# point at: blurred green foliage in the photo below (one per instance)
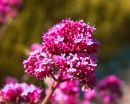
(111, 18)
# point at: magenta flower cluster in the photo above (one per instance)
(20, 93)
(68, 50)
(110, 89)
(67, 93)
(70, 37)
(90, 97)
(9, 9)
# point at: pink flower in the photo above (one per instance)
(67, 93)
(35, 46)
(70, 36)
(15, 3)
(9, 9)
(110, 89)
(39, 64)
(4, 9)
(91, 95)
(86, 102)
(69, 51)
(10, 80)
(78, 66)
(21, 92)
(10, 92)
(30, 93)
(15, 6)
(1, 98)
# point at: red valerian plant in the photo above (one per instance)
(108, 91)
(68, 51)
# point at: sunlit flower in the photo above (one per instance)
(70, 36)
(39, 64)
(69, 51)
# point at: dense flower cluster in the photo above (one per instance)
(67, 93)
(20, 93)
(38, 64)
(78, 66)
(110, 89)
(70, 37)
(68, 50)
(9, 9)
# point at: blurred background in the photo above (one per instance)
(110, 17)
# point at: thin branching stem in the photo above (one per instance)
(47, 98)
(54, 77)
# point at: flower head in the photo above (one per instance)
(4, 9)
(1, 98)
(30, 93)
(91, 95)
(78, 66)
(10, 80)
(67, 93)
(20, 92)
(68, 50)
(110, 89)
(70, 36)
(9, 9)
(15, 3)
(39, 64)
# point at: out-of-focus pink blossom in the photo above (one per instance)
(35, 46)
(30, 93)
(91, 95)
(10, 80)
(110, 89)
(15, 3)
(20, 92)
(10, 92)
(67, 93)
(4, 9)
(1, 98)
(86, 102)
(15, 6)
(9, 9)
